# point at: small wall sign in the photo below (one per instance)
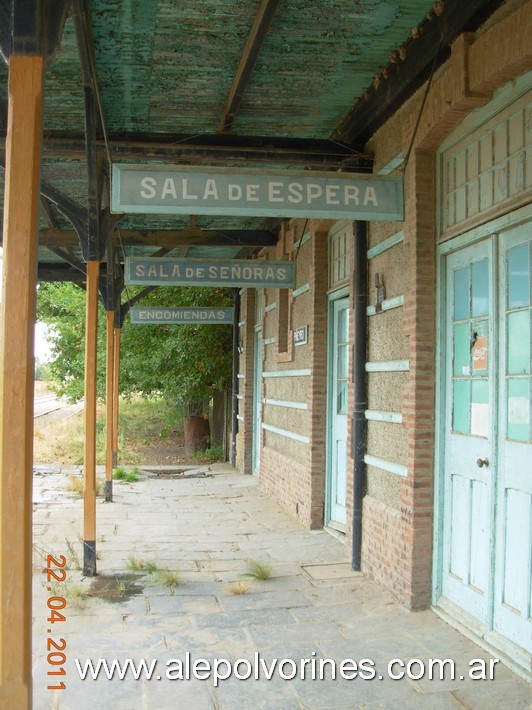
(301, 335)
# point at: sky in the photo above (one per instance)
(42, 348)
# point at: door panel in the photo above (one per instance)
(467, 485)
(337, 408)
(487, 528)
(513, 573)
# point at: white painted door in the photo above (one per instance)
(257, 400)
(513, 588)
(469, 443)
(337, 409)
(487, 544)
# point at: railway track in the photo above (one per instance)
(48, 404)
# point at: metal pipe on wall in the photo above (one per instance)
(360, 277)
(236, 363)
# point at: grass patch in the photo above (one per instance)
(211, 455)
(121, 474)
(76, 484)
(142, 421)
(239, 588)
(257, 570)
(169, 578)
(141, 566)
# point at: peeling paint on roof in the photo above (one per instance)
(167, 67)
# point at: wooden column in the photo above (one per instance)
(21, 207)
(116, 393)
(109, 405)
(89, 496)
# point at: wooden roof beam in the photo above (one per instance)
(257, 35)
(217, 149)
(168, 238)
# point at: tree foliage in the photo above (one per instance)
(180, 362)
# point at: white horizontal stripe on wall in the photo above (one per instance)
(286, 434)
(389, 466)
(286, 403)
(385, 245)
(392, 165)
(241, 323)
(301, 241)
(240, 418)
(388, 366)
(241, 377)
(379, 416)
(270, 307)
(301, 290)
(269, 341)
(387, 305)
(288, 373)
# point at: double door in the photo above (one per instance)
(486, 443)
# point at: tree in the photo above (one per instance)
(182, 363)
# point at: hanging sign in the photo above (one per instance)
(160, 189)
(209, 272)
(157, 316)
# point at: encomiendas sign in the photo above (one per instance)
(155, 315)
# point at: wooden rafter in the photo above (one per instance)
(406, 75)
(257, 35)
(319, 154)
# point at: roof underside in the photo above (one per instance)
(166, 71)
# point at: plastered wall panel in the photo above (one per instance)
(286, 388)
(385, 390)
(290, 449)
(388, 441)
(386, 339)
(383, 486)
(292, 420)
(392, 267)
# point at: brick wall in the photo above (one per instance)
(397, 530)
(398, 542)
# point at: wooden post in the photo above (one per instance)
(109, 405)
(116, 392)
(89, 496)
(21, 208)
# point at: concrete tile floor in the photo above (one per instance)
(313, 607)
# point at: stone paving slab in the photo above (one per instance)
(312, 607)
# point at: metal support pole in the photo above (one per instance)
(116, 393)
(109, 405)
(89, 496)
(236, 361)
(360, 268)
(21, 209)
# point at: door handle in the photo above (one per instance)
(482, 462)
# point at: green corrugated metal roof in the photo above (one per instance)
(166, 67)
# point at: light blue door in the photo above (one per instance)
(468, 498)
(487, 513)
(337, 391)
(513, 588)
